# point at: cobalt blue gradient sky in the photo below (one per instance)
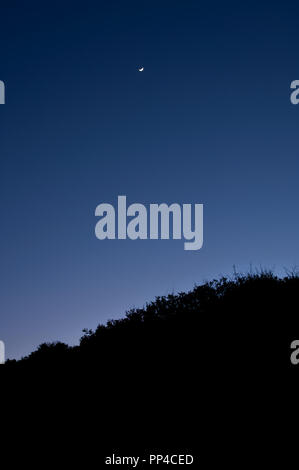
(208, 121)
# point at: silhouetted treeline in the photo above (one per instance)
(201, 371)
(241, 312)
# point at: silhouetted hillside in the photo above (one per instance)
(243, 314)
(175, 372)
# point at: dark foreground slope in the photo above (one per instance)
(207, 371)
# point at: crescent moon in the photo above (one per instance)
(141, 69)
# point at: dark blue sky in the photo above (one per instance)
(208, 121)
